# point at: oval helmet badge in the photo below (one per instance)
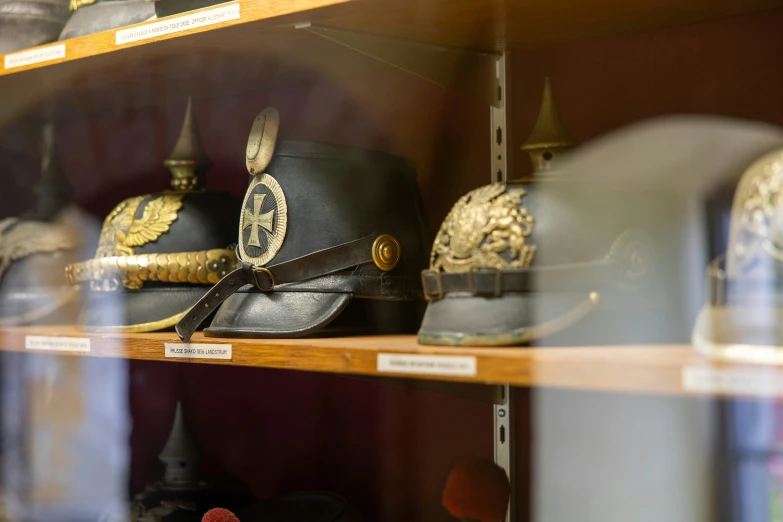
(263, 222)
(261, 142)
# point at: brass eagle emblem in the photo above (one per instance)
(122, 231)
(486, 228)
(19, 239)
(156, 220)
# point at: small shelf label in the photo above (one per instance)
(457, 365)
(178, 24)
(57, 344)
(734, 381)
(42, 54)
(198, 351)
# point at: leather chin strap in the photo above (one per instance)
(316, 264)
(489, 282)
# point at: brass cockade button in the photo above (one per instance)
(386, 252)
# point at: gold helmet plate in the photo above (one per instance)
(486, 228)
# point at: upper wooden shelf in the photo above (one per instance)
(248, 52)
(675, 370)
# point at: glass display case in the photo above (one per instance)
(374, 260)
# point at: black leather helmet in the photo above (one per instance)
(172, 7)
(157, 251)
(321, 224)
(93, 16)
(27, 23)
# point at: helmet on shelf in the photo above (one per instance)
(156, 252)
(35, 248)
(553, 258)
(182, 494)
(321, 224)
(27, 23)
(742, 317)
(172, 7)
(94, 16)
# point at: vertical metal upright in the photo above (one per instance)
(481, 76)
(504, 443)
(497, 120)
(499, 161)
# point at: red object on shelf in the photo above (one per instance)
(219, 515)
(477, 489)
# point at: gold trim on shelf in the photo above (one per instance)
(107, 273)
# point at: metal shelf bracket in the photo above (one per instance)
(504, 443)
(505, 438)
(497, 120)
(468, 72)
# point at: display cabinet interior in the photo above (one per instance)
(387, 441)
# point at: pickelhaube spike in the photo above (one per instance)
(180, 455)
(549, 136)
(188, 161)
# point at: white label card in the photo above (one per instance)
(198, 351)
(180, 23)
(43, 54)
(740, 381)
(463, 366)
(57, 344)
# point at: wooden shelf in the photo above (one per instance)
(247, 53)
(669, 369)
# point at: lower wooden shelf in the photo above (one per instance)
(662, 369)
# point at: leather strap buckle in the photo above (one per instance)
(439, 285)
(263, 279)
(478, 290)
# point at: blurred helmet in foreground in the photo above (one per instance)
(35, 248)
(94, 16)
(32, 256)
(743, 316)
